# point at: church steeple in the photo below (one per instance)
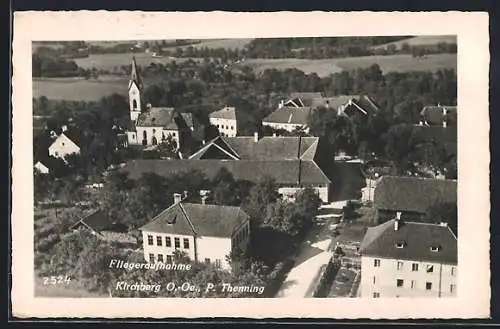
(134, 92)
(134, 75)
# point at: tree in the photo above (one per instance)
(224, 191)
(443, 212)
(307, 203)
(400, 145)
(261, 194)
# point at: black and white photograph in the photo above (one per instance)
(291, 167)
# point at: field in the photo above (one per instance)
(422, 40)
(79, 88)
(221, 43)
(110, 61)
(325, 67)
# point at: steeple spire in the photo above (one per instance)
(134, 75)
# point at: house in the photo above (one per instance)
(151, 125)
(41, 168)
(290, 161)
(100, 224)
(65, 144)
(401, 258)
(206, 233)
(225, 120)
(294, 113)
(442, 116)
(412, 196)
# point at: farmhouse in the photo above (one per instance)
(206, 233)
(41, 168)
(225, 120)
(442, 116)
(290, 161)
(66, 143)
(151, 125)
(100, 224)
(294, 113)
(411, 196)
(408, 259)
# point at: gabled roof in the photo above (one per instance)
(96, 221)
(225, 113)
(75, 135)
(412, 193)
(198, 219)
(417, 240)
(289, 115)
(266, 148)
(286, 172)
(435, 115)
(165, 117)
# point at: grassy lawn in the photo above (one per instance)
(220, 43)
(325, 67)
(79, 89)
(343, 283)
(109, 61)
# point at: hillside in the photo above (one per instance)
(421, 40)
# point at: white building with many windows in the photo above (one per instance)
(225, 120)
(408, 259)
(205, 233)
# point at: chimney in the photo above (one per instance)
(274, 134)
(255, 137)
(64, 128)
(177, 197)
(281, 104)
(444, 123)
(185, 194)
(204, 199)
(327, 103)
(443, 224)
(421, 123)
(397, 221)
(203, 142)
(149, 106)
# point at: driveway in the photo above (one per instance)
(313, 254)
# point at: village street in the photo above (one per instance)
(313, 253)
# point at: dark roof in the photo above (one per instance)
(283, 171)
(134, 75)
(412, 193)
(202, 220)
(417, 240)
(266, 148)
(76, 136)
(437, 134)
(165, 117)
(288, 114)
(435, 115)
(225, 113)
(97, 221)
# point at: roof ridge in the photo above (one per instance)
(156, 217)
(187, 217)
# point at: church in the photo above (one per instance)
(149, 125)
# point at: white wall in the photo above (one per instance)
(134, 94)
(155, 132)
(285, 126)
(289, 192)
(63, 146)
(227, 127)
(387, 274)
(41, 168)
(214, 249)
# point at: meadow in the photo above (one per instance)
(421, 40)
(325, 67)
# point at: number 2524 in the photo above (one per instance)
(53, 280)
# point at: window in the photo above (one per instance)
(428, 286)
(150, 240)
(414, 267)
(232, 127)
(207, 260)
(399, 283)
(400, 245)
(173, 134)
(177, 242)
(376, 295)
(160, 258)
(186, 243)
(134, 104)
(452, 288)
(435, 248)
(62, 143)
(218, 126)
(413, 284)
(374, 280)
(169, 259)
(152, 258)
(430, 268)
(158, 241)
(400, 266)
(168, 242)
(453, 271)
(376, 263)
(217, 262)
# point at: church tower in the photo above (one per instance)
(134, 92)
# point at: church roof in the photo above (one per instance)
(165, 117)
(134, 75)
